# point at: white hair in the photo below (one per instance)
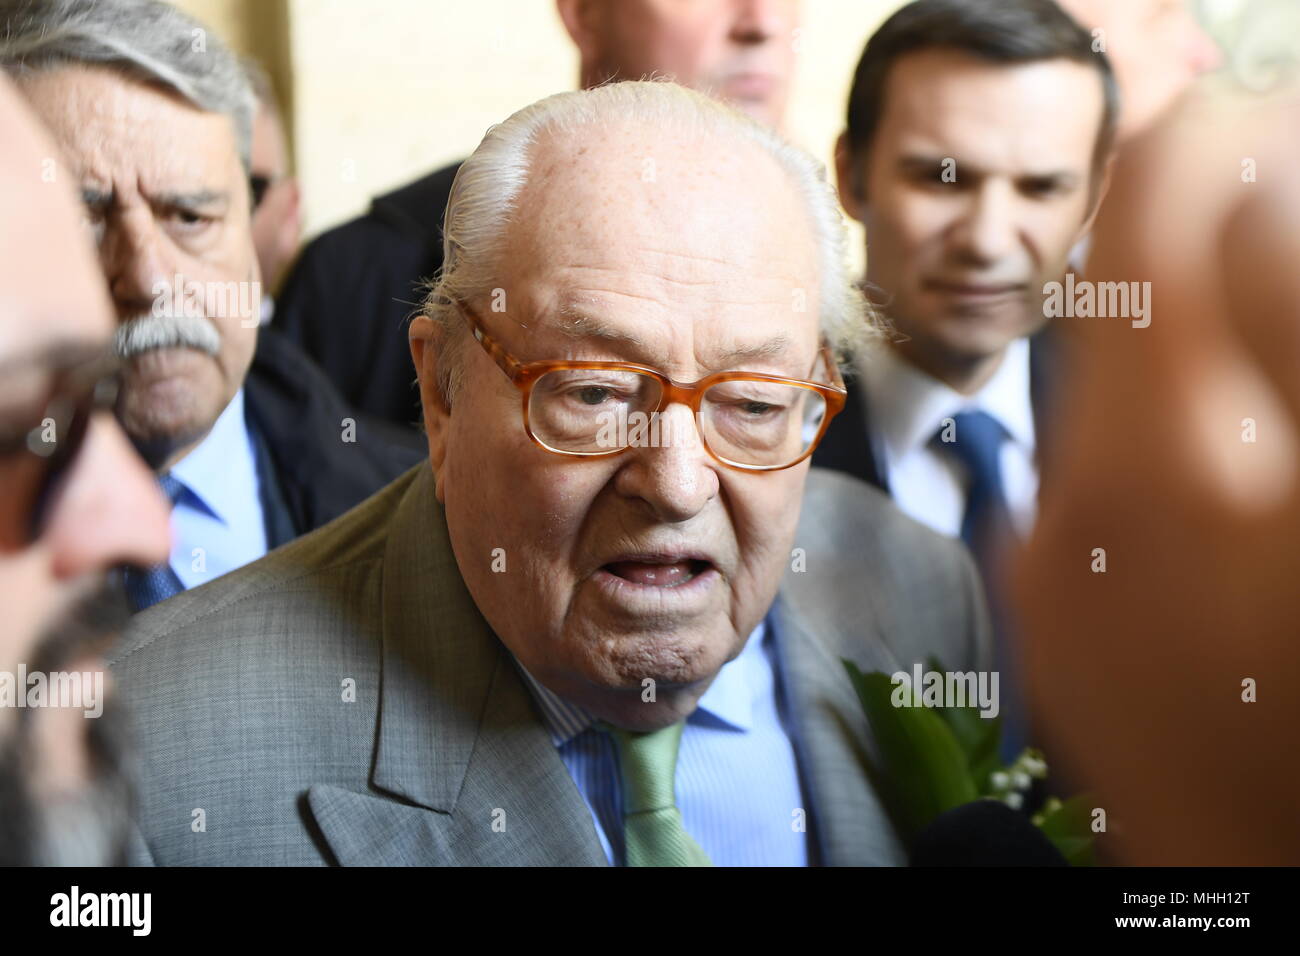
(485, 195)
(151, 40)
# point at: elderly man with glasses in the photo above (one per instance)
(604, 623)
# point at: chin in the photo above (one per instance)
(155, 440)
(673, 659)
(974, 340)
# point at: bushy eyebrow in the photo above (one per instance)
(195, 201)
(574, 323)
(96, 198)
(190, 202)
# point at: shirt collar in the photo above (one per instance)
(729, 699)
(220, 471)
(908, 406)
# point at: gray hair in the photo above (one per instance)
(486, 191)
(151, 40)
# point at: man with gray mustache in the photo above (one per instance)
(250, 442)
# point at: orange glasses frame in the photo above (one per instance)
(525, 375)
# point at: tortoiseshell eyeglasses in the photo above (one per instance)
(746, 420)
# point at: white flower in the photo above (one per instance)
(1020, 780)
(999, 780)
(1014, 800)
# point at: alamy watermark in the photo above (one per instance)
(187, 298)
(624, 429)
(82, 690)
(947, 689)
(1085, 300)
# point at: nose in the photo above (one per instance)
(671, 473)
(134, 261)
(110, 510)
(758, 21)
(986, 230)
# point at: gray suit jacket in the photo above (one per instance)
(250, 754)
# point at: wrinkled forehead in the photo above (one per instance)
(111, 124)
(44, 297)
(686, 241)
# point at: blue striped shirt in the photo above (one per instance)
(738, 783)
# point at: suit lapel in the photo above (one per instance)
(459, 742)
(1044, 385)
(832, 733)
(466, 774)
(277, 517)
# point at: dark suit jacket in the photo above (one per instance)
(347, 301)
(238, 692)
(308, 473)
(850, 443)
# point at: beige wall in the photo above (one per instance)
(385, 91)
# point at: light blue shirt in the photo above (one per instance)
(738, 784)
(217, 523)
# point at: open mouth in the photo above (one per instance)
(656, 572)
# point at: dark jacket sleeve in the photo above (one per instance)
(348, 300)
(346, 304)
(326, 457)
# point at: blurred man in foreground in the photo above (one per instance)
(1159, 589)
(75, 501)
(349, 298)
(1156, 47)
(610, 613)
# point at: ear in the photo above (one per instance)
(427, 340)
(582, 21)
(1098, 197)
(847, 174)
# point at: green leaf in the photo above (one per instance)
(1069, 827)
(978, 736)
(922, 759)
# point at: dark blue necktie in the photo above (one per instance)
(146, 587)
(986, 529)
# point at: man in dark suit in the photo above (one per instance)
(974, 184)
(348, 299)
(552, 643)
(251, 443)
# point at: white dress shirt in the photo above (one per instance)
(907, 407)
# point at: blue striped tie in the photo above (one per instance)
(145, 588)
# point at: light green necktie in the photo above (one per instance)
(653, 834)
